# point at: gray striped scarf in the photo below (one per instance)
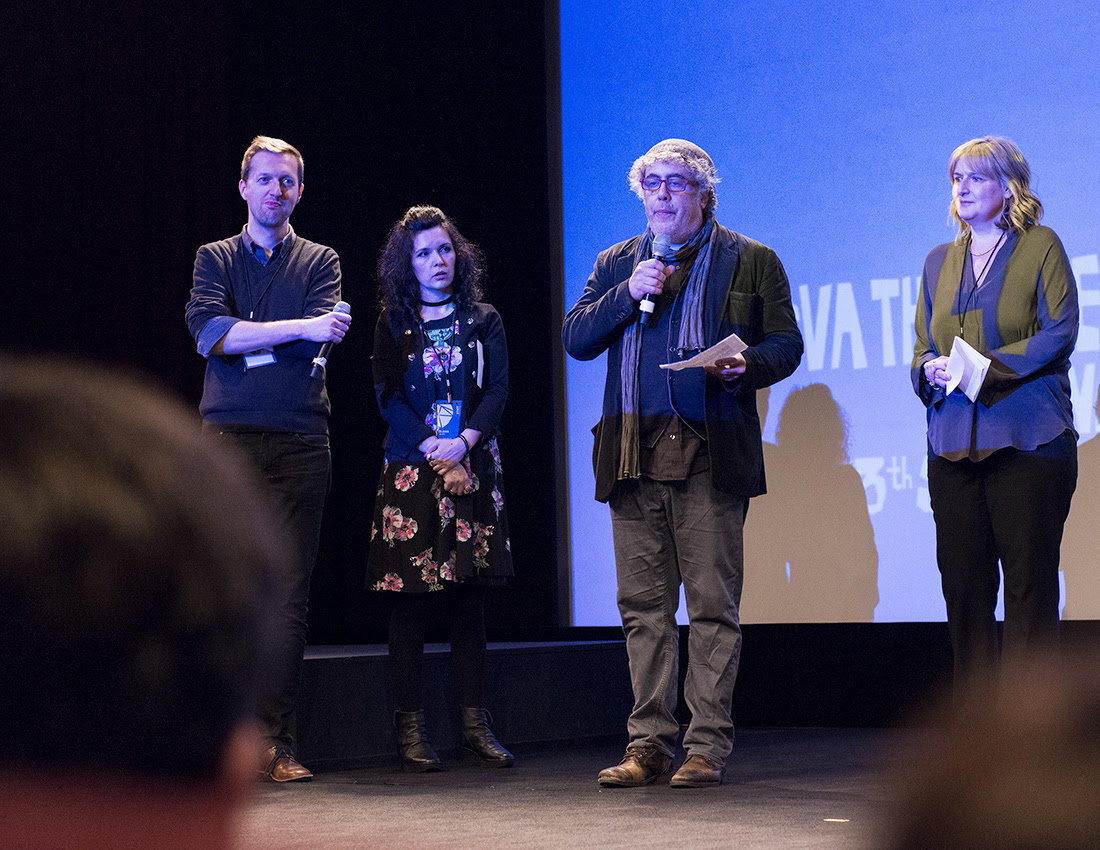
(692, 335)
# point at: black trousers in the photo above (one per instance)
(297, 469)
(1010, 507)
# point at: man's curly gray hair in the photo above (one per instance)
(693, 156)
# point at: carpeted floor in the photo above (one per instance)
(785, 788)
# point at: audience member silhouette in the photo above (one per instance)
(137, 567)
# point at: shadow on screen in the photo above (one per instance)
(1079, 538)
(810, 552)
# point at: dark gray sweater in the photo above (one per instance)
(231, 285)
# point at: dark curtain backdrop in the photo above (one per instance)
(127, 122)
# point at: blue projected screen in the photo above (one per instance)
(831, 126)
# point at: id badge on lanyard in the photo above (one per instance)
(264, 357)
(447, 415)
(448, 418)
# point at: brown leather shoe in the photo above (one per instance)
(281, 767)
(699, 772)
(640, 766)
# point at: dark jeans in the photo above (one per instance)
(298, 469)
(1009, 507)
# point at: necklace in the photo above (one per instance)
(987, 250)
(977, 282)
(985, 265)
(446, 300)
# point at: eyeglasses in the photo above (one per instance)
(679, 185)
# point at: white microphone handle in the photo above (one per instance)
(321, 360)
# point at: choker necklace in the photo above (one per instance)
(446, 300)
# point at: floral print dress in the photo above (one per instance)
(422, 536)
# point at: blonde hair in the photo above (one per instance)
(999, 159)
(271, 145)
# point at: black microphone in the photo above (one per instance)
(321, 360)
(660, 251)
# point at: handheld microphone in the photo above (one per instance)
(321, 360)
(660, 251)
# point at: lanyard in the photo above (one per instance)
(439, 355)
(977, 280)
(253, 301)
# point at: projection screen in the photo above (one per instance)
(831, 126)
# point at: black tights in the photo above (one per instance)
(409, 617)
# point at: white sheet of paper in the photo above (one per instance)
(731, 346)
(967, 367)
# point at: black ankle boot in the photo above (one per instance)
(417, 755)
(479, 740)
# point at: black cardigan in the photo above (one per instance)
(403, 392)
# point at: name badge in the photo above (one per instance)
(448, 418)
(259, 358)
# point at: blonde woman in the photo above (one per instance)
(1003, 467)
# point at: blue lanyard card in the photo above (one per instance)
(448, 418)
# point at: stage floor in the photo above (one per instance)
(785, 788)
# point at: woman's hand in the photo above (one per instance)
(935, 372)
(456, 481)
(443, 448)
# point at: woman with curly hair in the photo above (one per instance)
(1002, 461)
(441, 378)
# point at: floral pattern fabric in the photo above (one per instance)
(423, 536)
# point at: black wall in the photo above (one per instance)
(126, 123)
